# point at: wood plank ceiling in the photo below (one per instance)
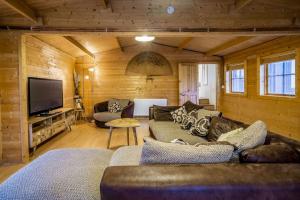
(91, 44)
(151, 14)
(242, 16)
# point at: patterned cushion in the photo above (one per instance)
(189, 120)
(179, 114)
(249, 138)
(200, 128)
(115, 107)
(123, 102)
(156, 152)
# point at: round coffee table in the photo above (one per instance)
(123, 123)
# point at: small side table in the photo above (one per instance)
(123, 123)
(79, 114)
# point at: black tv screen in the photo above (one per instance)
(44, 95)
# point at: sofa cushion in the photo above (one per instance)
(59, 174)
(115, 107)
(163, 113)
(189, 120)
(156, 152)
(106, 116)
(126, 156)
(123, 102)
(251, 137)
(220, 125)
(273, 153)
(179, 114)
(200, 127)
(189, 106)
(207, 113)
(224, 136)
(168, 131)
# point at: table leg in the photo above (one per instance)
(135, 136)
(128, 136)
(110, 133)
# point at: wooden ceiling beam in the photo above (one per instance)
(22, 8)
(228, 45)
(239, 4)
(184, 43)
(79, 46)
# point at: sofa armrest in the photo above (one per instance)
(101, 107)
(151, 113)
(127, 111)
(203, 181)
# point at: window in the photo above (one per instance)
(235, 78)
(278, 78)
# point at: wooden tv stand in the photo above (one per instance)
(43, 128)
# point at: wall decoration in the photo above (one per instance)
(149, 63)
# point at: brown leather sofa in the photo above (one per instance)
(205, 181)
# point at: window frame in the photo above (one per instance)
(228, 68)
(266, 80)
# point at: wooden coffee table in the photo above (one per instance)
(123, 123)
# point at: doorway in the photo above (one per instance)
(207, 85)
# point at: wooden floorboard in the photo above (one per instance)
(83, 135)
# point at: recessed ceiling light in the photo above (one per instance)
(170, 10)
(144, 38)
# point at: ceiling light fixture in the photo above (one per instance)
(144, 38)
(170, 9)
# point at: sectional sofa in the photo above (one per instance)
(108, 175)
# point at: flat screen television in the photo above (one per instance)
(44, 95)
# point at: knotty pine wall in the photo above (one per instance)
(10, 95)
(45, 61)
(282, 115)
(21, 57)
(109, 79)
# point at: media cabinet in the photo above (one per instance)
(42, 128)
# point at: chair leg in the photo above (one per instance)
(128, 136)
(110, 133)
(135, 136)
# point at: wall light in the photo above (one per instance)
(144, 38)
(91, 69)
(86, 77)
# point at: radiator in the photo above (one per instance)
(141, 106)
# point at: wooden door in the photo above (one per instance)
(188, 82)
(0, 135)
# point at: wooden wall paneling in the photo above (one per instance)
(110, 79)
(23, 98)
(0, 133)
(45, 61)
(9, 92)
(281, 114)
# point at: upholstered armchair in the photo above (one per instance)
(102, 115)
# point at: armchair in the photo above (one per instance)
(101, 114)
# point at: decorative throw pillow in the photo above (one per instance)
(273, 153)
(224, 136)
(122, 102)
(156, 152)
(251, 137)
(179, 114)
(189, 120)
(200, 127)
(163, 113)
(115, 107)
(189, 106)
(220, 125)
(210, 113)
